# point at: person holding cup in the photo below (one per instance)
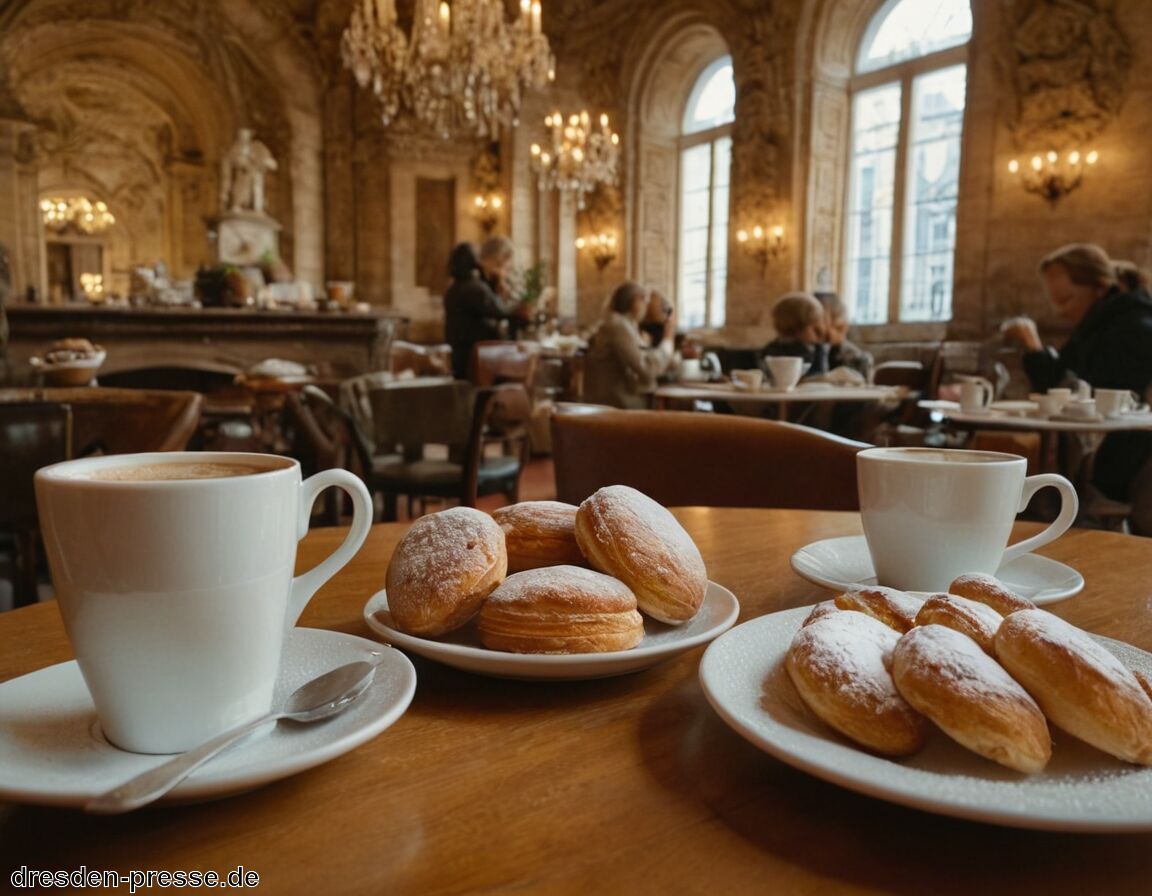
(620, 368)
(1108, 306)
(800, 324)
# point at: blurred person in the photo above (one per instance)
(841, 351)
(620, 367)
(475, 302)
(799, 320)
(1108, 306)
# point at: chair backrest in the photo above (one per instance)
(683, 458)
(496, 361)
(422, 360)
(324, 431)
(912, 374)
(32, 435)
(414, 413)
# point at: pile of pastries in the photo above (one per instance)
(981, 663)
(548, 577)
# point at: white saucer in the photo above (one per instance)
(840, 563)
(1014, 407)
(462, 650)
(1082, 789)
(52, 751)
(941, 405)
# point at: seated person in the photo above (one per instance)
(620, 368)
(799, 321)
(842, 352)
(1110, 346)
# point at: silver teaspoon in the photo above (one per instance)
(317, 699)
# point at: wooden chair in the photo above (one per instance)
(496, 361)
(32, 435)
(683, 458)
(415, 415)
(422, 360)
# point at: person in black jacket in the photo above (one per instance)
(474, 304)
(1110, 347)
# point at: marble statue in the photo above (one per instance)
(242, 177)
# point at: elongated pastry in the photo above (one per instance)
(839, 665)
(950, 679)
(626, 534)
(896, 609)
(443, 569)
(1078, 683)
(560, 609)
(976, 620)
(539, 533)
(986, 589)
(820, 610)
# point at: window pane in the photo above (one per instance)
(713, 99)
(721, 164)
(931, 191)
(695, 175)
(909, 28)
(875, 130)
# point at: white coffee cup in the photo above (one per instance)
(690, 369)
(932, 514)
(749, 379)
(1081, 409)
(975, 394)
(1062, 394)
(786, 371)
(1115, 402)
(177, 593)
(1047, 405)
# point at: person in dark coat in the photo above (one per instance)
(473, 303)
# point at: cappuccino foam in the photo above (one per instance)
(174, 471)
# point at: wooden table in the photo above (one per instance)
(779, 399)
(624, 785)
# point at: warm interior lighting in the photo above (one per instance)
(78, 212)
(762, 243)
(463, 69)
(486, 209)
(1051, 175)
(579, 157)
(601, 246)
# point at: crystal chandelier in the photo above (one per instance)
(463, 70)
(79, 212)
(579, 158)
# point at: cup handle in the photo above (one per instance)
(1069, 505)
(307, 584)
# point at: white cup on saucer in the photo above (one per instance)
(1116, 402)
(690, 370)
(1047, 405)
(932, 514)
(1081, 409)
(751, 380)
(1060, 394)
(174, 574)
(785, 370)
(975, 394)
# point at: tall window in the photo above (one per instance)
(907, 115)
(705, 160)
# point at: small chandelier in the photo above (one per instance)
(463, 70)
(601, 246)
(61, 212)
(762, 243)
(579, 158)
(1051, 176)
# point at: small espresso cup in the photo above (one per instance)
(174, 575)
(1114, 402)
(975, 394)
(749, 379)
(786, 371)
(933, 514)
(1047, 405)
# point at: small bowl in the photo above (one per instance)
(79, 372)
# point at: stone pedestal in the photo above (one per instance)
(244, 237)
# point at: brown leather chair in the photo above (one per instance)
(683, 458)
(32, 435)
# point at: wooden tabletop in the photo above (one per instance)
(621, 785)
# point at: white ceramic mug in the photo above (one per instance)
(975, 394)
(786, 371)
(689, 369)
(1114, 402)
(1047, 405)
(1081, 409)
(176, 587)
(932, 514)
(749, 379)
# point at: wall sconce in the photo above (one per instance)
(602, 247)
(762, 243)
(1052, 176)
(486, 210)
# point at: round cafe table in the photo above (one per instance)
(675, 395)
(631, 784)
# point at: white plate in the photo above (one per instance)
(1014, 407)
(52, 751)
(462, 649)
(840, 563)
(939, 405)
(1082, 789)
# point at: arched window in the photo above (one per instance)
(907, 114)
(705, 160)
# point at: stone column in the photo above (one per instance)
(20, 225)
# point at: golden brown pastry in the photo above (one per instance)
(560, 609)
(976, 620)
(950, 679)
(443, 569)
(626, 534)
(986, 589)
(1078, 683)
(896, 609)
(839, 665)
(820, 610)
(539, 533)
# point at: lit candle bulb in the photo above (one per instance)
(497, 202)
(1074, 158)
(1052, 157)
(604, 120)
(536, 16)
(778, 233)
(1092, 157)
(445, 18)
(741, 236)
(1013, 167)
(1037, 163)
(580, 242)
(757, 232)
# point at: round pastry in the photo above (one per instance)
(443, 569)
(539, 533)
(976, 620)
(626, 534)
(1078, 683)
(839, 665)
(820, 610)
(986, 589)
(896, 609)
(949, 678)
(560, 609)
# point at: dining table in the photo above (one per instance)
(632, 783)
(780, 401)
